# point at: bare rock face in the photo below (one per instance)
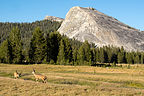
(52, 18)
(94, 26)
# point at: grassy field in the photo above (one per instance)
(72, 80)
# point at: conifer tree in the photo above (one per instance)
(93, 55)
(61, 59)
(129, 58)
(102, 55)
(48, 48)
(16, 45)
(75, 56)
(97, 55)
(32, 51)
(121, 56)
(81, 55)
(142, 58)
(54, 41)
(110, 55)
(65, 51)
(0, 39)
(87, 51)
(37, 47)
(6, 53)
(84, 53)
(68, 50)
(136, 59)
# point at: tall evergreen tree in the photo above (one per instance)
(75, 53)
(102, 55)
(68, 50)
(65, 51)
(54, 41)
(121, 56)
(87, 52)
(32, 51)
(93, 55)
(61, 58)
(142, 58)
(16, 45)
(110, 55)
(136, 59)
(0, 39)
(81, 55)
(37, 47)
(6, 53)
(97, 55)
(129, 58)
(84, 53)
(48, 48)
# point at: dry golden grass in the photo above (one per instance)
(72, 80)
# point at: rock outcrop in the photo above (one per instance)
(52, 18)
(94, 26)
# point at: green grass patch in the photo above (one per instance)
(134, 84)
(74, 82)
(4, 74)
(63, 81)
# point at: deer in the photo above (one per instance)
(39, 77)
(16, 74)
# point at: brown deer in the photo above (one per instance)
(17, 75)
(39, 77)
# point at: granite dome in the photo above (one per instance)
(94, 26)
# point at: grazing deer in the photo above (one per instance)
(39, 77)
(17, 75)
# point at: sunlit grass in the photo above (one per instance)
(72, 80)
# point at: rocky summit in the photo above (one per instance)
(96, 27)
(53, 18)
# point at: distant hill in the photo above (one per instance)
(53, 18)
(94, 26)
(27, 28)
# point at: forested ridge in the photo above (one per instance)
(26, 29)
(39, 42)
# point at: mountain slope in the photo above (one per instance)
(94, 26)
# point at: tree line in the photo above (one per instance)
(52, 48)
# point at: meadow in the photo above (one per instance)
(63, 80)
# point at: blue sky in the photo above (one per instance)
(130, 12)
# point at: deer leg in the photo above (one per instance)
(36, 80)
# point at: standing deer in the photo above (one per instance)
(39, 77)
(17, 75)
